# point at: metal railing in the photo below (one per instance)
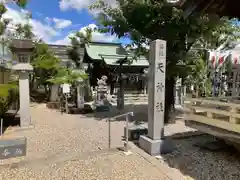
(126, 115)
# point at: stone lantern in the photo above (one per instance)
(21, 51)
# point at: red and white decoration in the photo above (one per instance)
(212, 59)
(217, 59)
(235, 58)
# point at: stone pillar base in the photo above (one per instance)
(156, 147)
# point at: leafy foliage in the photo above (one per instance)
(145, 21)
(196, 60)
(155, 20)
(45, 64)
(67, 76)
(5, 88)
(3, 23)
(21, 3)
(24, 31)
(79, 41)
(8, 95)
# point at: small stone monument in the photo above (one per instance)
(102, 103)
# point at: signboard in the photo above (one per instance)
(11, 148)
(66, 88)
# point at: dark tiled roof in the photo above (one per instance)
(22, 44)
(220, 7)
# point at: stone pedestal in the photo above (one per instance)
(155, 143)
(156, 147)
(25, 115)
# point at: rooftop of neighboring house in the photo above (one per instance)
(60, 51)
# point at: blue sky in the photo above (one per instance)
(55, 20)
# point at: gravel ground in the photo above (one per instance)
(203, 164)
(103, 167)
(57, 136)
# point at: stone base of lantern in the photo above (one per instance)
(156, 147)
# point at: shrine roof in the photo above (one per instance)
(111, 53)
(95, 50)
(139, 62)
(228, 8)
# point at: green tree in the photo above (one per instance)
(144, 21)
(197, 72)
(45, 66)
(79, 40)
(67, 76)
(24, 31)
(221, 37)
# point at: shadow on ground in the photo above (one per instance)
(38, 97)
(9, 120)
(140, 113)
(202, 157)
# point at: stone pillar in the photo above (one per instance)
(54, 93)
(145, 86)
(25, 115)
(80, 96)
(234, 83)
(120, 92)
(154, 143)
(183, 94)
(178, 92)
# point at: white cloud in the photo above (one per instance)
(81, 4)
(62, 23)
(96, 36)
(48, 30)
(58, 23)
(43, 31)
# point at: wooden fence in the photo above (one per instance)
(213, 113)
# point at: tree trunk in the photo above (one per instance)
(169, 98)
(197, 91)
(47, 91)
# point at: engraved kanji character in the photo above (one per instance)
(160, 67)
(18, 152)
(159, 87)
(6, 152)
(161, 47)
(159, 107)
